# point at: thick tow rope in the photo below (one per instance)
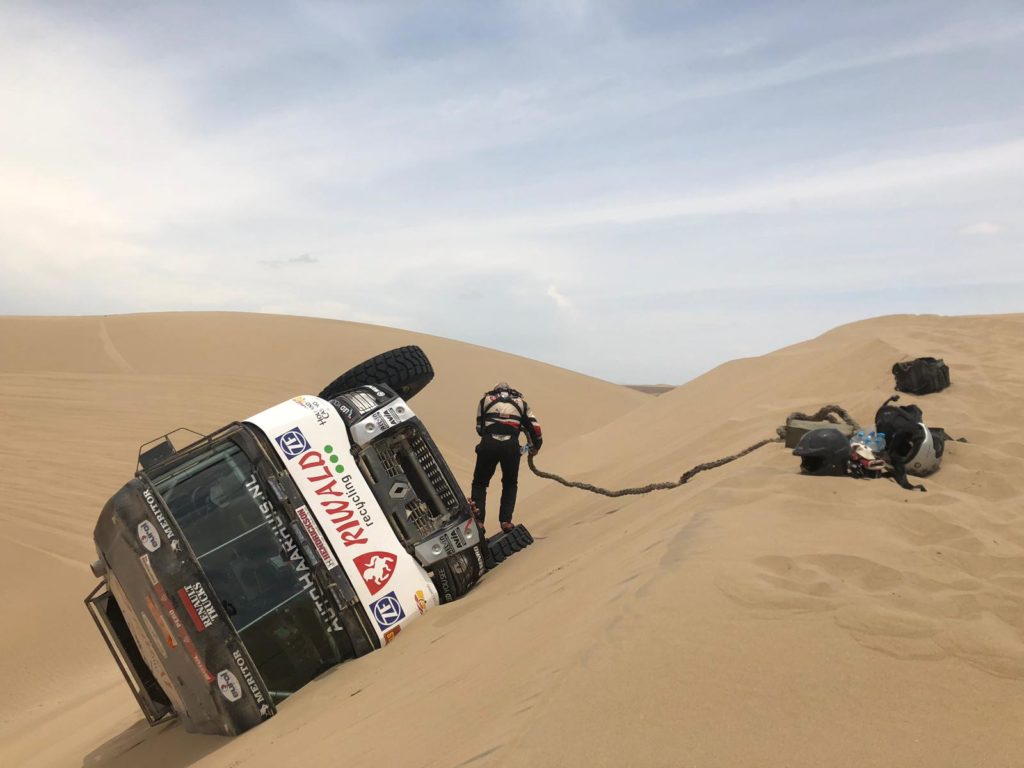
(651, 486)
(827, 412)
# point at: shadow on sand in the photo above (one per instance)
(162, 745)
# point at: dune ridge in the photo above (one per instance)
(752, 617)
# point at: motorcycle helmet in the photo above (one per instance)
(916, 450)
(824, 451)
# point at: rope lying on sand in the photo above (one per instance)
(827, 412)
(652, 486)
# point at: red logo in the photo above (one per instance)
(376, 569)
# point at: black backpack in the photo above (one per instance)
(902, 426)
(921, 376)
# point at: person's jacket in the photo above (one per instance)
(503, 414)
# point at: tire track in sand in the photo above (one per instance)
(111, 349)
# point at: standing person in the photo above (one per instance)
(501, 415)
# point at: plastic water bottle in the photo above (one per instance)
(524, 449)
(880, 441)
(871, 440)
(859, 437)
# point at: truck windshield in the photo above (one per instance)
(260, 576)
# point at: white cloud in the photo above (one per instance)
(982, 228)
(560, 301)
(866, 184)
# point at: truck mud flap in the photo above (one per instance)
(506, 544)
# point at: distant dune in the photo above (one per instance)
(753, 617)
(652, 389)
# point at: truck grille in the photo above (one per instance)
(434, 474)
(419, 515)
(389, 460)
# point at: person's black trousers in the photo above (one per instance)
(489, 454)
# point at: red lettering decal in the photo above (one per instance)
(311, 459)
(190, 609)
(351, 539)
(339, 527)
(325, 490)
(326, 475)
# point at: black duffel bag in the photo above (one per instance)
(921, 376)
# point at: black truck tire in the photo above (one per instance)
(505, 544)
(458, 574)
(406, 370)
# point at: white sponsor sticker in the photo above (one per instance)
(148, 536)
(148, 568)
(228, 684)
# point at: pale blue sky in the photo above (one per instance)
(638, 191)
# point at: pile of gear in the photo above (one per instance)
(828, 442)
(901, 444)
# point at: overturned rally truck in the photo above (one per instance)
(238, 568)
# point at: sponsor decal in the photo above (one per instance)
(250, 680)
(421, 601)
(165, 601)
(198, 605)
(154, 638)
(452, 541)
(441, 574)
(148, 536)
(345, 408)
(148, 568)
(314, 535)
(391, 634)
(336, 465)
(293, 443)
(385, 419)
(341, 504)
(321, 414)
(165, 631)
(293, 554)
(376, 569)
(387, 611)
(448, 548)
(228, 684)
(158, 513)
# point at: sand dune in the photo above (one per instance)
(753, 617)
